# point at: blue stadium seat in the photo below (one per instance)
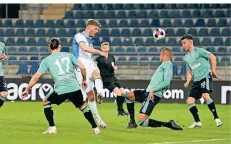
(142, 14)
(180, 32)
(174, 14)
(60, 23)
(203, 32)
(104, 33)
(62, 33)
(119, 49)
(161, 42)
(30, 33)
(103, 23)
(206, 6)
(144, 61)
(160, 6)
(164, 14)
(70, 24)
(196, 41)
(34, 67)
(96, 41)
(79, 15)
(2, 40)
(126, 32)
(186, 14)
(175, 70)
(155, 59)
(150, 6)
(8, 23)
(115, 33)
(1, 23)
(218, 42)
(80, 23)
(109, 6)
(118, 6)
(42, 42)
(10, 42)
(2, 33)
(22, 50)
(149, 42)
(127, 42)
(41, 33)
(208, 14)
(31, 42)
(139, 42)
(222, 49)
(121, 14)
(50, 23)
(176, 49)
(71, 32)
(98, 6)
(140, 6)
(225, 32)
(129, 6)
(77, 6)
(29, 24)
(155, 23)
(88, 14)
(20, 33)
(116, 42)
(152, 49)
(196, 13)
(23, 68)
(39, 24)
(215, 6)
(225, 59)
(222, 23)
(211, 49)
(228, 13)
(43, 49)
(132, 60)
(211, 23)
(12, 50)
(147, 32)
(206, 42)
(220, 13)
(51, 32)
(34, 58)
(142, 50)
(33, 49)
(188, 23)
(12, 60)
(172, 6)
(106, 39)
(131, 50)
(134, 23)
(88, 6)
(183, 70)
(121, 60)
(172, 42)
(153, 14)
(132, 14)
(136, 32)
(69, 15)
(200, 23)
(9, 32)
(177, 23)
(65, 49)
(23, 58)
(225, 6)
(144, 23)
(215, 32)
(170, 32)
(21, 42)
(112, 23)
(181, 6)
(123, 23)
(110, 15)
(64, 41)
(192, 31)
(19, 23)
(167, 23)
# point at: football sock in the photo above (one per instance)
(49, 114)
(2, 100)
(93, 107)
(99, 85)
(119, 102)
(88, 115)
(131, 110)
(152, 123)
(212, 107)
(194, 111)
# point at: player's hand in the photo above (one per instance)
(84, 85)
(115, 68)
(25, 93)
(186, 84)
(104, 54)
(151, 96)
(3, 56)
(214, 74)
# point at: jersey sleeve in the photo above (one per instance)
(80, 38)
(168, 73)
(43, 68)
(203, 53)
(73, 60)
(3, 48)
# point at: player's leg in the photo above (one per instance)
(3, 91)
(77, 99)
(98, 81)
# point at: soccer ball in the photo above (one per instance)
(158, 34)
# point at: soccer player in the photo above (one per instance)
(150, 97)
(198, 65)
(61, 65)
(107, 67)
(82, 48)
(3, 85)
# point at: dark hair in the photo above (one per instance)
(187, 36)
(54, 43)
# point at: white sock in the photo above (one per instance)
(99, 85)
(93, 107)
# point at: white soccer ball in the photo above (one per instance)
(159, 34)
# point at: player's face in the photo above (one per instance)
(161, 56)
(93, 30)
(186, 44)
(105, 48)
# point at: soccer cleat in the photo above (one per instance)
(96, 131)
(132, 125)
(101, 123)
(172, 125)
(50, 130)
(196, 125)
(218, 122)
(120, 113)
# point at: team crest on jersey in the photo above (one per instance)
(203, 84)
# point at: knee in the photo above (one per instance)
(206, 96)
(143, 123)
(96, 74)
(45, 101)
(82, 107)
(4, 94)
(90, 97)
(190, 100)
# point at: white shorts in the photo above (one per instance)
(90, 68)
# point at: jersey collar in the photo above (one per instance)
(86, 34)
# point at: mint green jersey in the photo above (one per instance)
(2, 51)
(61, 66)
(198, 62)
(161, 79)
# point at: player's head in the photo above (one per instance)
(105, 47)
(165, 54)
(92, 27)
(54, 44)
(187, 42)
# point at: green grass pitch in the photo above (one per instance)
(24, 122)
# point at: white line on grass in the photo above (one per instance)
(193, 141)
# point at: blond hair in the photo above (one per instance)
(167, 51)
(93, 22)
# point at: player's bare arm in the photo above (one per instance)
(188, 77)
(213, 65)
(92, 50)
(84, 74)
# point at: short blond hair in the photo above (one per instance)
(93, 22)
(105, 43)
(167, 51)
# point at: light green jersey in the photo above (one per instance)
(2, 51)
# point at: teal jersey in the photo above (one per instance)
(61, 66)
(198, 62)
(161, 79)
(2, 51)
